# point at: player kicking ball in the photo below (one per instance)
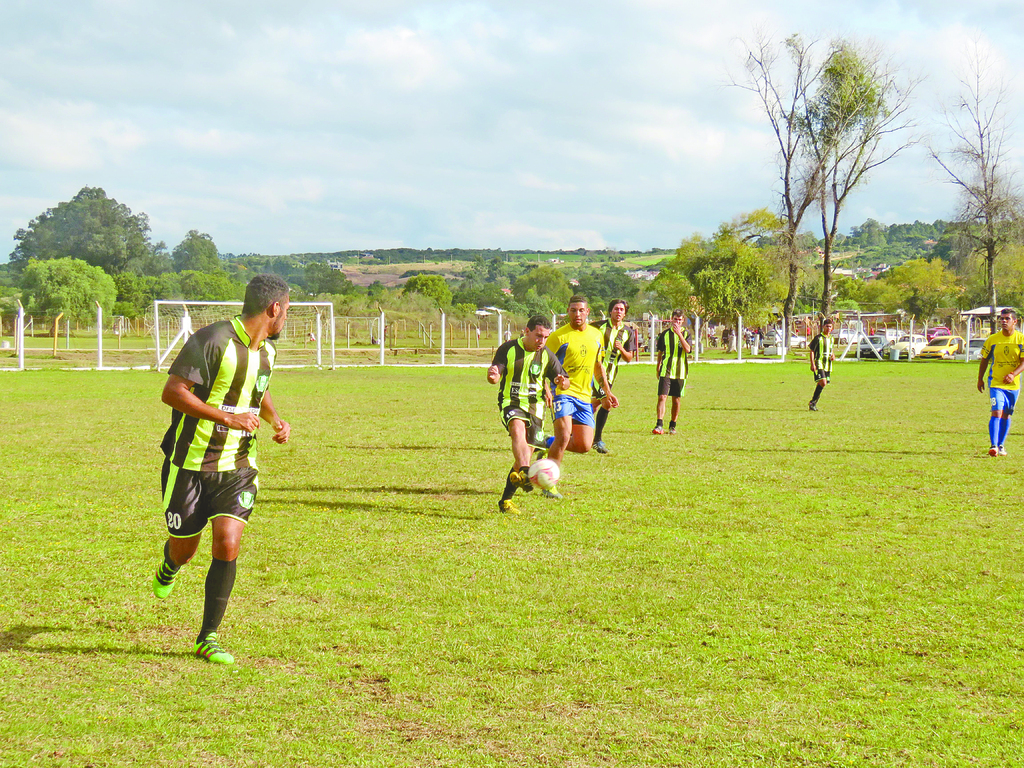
(521, 368)
(217, 387)
(1004, 352)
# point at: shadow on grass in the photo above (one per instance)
(404, 490)
(446, 447)
(286, 501)
(867, 451)
(17, 638)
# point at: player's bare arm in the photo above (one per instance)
(179, 395)
(624, 354)
(493, 374)
(282, 429)
(982, 367)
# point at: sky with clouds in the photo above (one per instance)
(318, 125)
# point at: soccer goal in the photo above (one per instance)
(306, 340)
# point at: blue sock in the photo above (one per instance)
(549, 441)
(1004, 429)
(993, 430)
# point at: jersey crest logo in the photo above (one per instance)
(246, 499)
(535, 369)
(262, 381)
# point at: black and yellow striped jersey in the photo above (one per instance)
(522, 376)
(674, 361)
(227, 375)
(821, 352)
(624, 334)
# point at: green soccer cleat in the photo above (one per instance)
(209, 649)
(163, 585)
(551, 493)
(600, 447)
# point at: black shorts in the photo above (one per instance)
(671, 387)
(534, 426)
(191, 499)
(820, 377)
(597, 391)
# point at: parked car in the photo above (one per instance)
(902, 343)
(942, 348)
(973, 350)
(796, 341)
(938, 330)
(871, 348)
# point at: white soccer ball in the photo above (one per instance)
(544, 473)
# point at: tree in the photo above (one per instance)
(923, 286)
(784, 98)
(858, 105)
(91, 227)
(196, 252)
(71, 286)
(728, 275)
(431, 286)
(977, 163)
(548, 283)
(320, 278)
(207, 286)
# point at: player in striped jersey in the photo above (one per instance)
(822, 357)
(521, 367)
(621, 345)
(673, 365)
(217, 387)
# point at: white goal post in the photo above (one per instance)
(307, 335)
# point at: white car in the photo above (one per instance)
(973, 350)
(902, 343)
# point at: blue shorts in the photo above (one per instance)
(1003, 399)
(580, 410)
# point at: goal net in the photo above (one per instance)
(307, 338)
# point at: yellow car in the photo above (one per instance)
(943, 348)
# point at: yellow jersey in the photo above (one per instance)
(578, 352)
(1004, 354)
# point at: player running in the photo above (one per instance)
(578, 347)
(217, 387)
(621, 345)
(822, 357)
(1004, 351)
(520, 369)
(673, 346)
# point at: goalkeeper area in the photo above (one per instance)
(307, 339)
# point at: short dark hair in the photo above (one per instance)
(1008, 311)
(579, 298)
(262, 291)
(536, 320)
(614, 302)
(677, 313)
(828, 321)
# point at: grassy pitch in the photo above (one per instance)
(767, 587)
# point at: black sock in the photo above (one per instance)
(168, 569)
(602, 418)
(817, 393)
(671, 425)
(220, 580)
(661, 423)
(510, 487)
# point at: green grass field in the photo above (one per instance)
(767, 587)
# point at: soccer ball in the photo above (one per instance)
(544, 473)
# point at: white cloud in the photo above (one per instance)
(318, 124)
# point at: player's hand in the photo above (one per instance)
(618, 346)
(1008, 378)
(245, 421)
(282, 432)
(493, 374)
(562, 382)
(612, 400)
(981, 385)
